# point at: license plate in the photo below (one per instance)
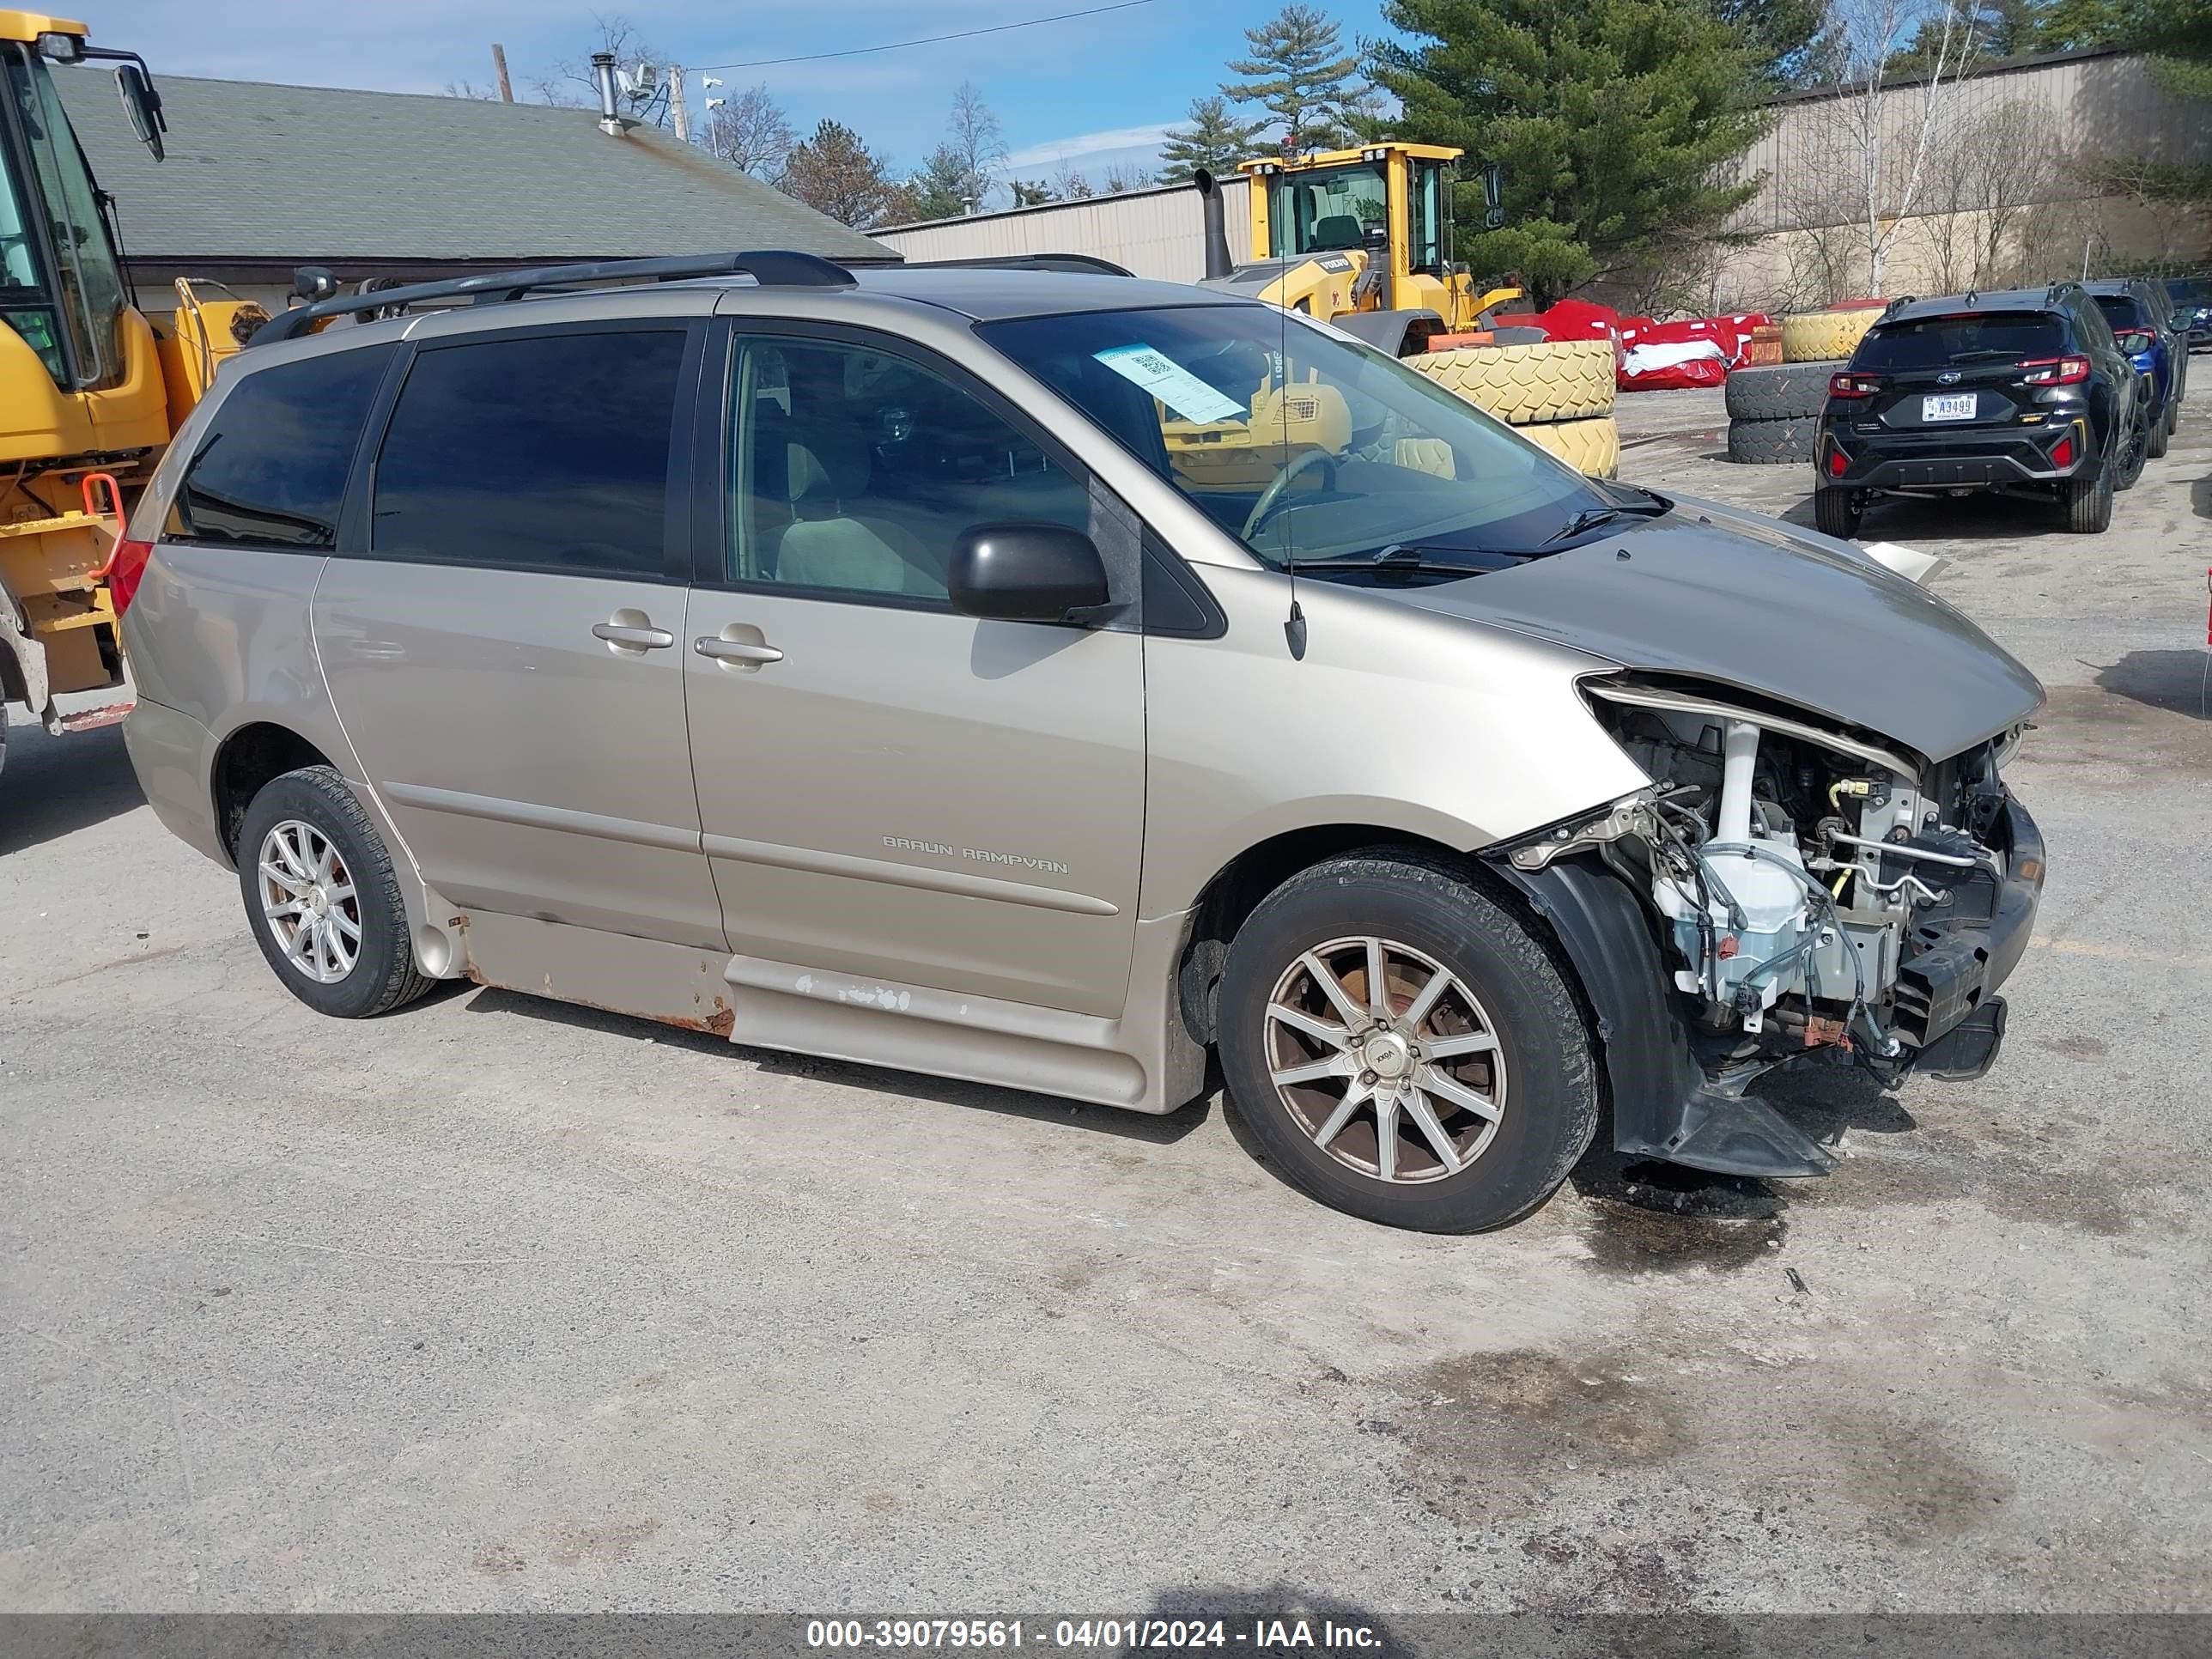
(1948, 406)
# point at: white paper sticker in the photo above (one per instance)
(1172, 384)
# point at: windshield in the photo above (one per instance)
(47, 177)
(1326, 210)
(1938, 342)
(1298, 440)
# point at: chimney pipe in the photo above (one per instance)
(1217, 261)
(603, 77)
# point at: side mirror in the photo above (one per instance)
(1494, 195)
(143, 106)
(2135, 340)
(1042, 573)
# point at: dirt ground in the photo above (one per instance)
(498, 1303)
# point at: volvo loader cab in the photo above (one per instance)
(1359, 238)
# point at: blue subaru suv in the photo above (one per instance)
(2156, 342)
(2191, 298)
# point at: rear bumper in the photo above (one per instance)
(169, 751)
(1924, 463)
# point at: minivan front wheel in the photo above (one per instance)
(322, 899)
(1402, 1048)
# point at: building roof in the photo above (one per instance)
(315, 174)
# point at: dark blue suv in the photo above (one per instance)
(2155, 341)
(2191, 298)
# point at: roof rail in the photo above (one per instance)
(1079, 262)
(2050, 295)
(771, 267)
(1896, 306)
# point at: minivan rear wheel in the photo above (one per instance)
(1402, 1048)
(322, 899)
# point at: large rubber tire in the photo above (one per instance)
(1787, 391)
(1550, 1104)
(384, 975)
(1813, 337)
(1592, 448)
(2087, 506)
(1837, 512)
(1556, 380)
(1771, 443)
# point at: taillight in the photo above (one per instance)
(2056, 371)
(1854, 386)
(125, 567)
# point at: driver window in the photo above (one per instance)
(854, 470)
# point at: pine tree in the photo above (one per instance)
(1214, 139)
(1300, 75)
(939, 190)
(1030, 192)
(836, 174)
(1779, 35)
(1615, 121)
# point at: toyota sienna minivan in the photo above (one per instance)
(1056, 679)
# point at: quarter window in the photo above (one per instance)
(270, 469)
(541, 452)
(854, 470)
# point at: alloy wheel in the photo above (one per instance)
(1385, 1059)
(309, 902)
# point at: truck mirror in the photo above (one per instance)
(143, 106)
(1493, 194)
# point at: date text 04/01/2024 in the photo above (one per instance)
(1120, 1634)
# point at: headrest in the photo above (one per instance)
(1336, 231)
(828, 461)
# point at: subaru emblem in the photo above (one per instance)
(1948, 377)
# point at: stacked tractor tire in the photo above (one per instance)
(1556, 393)
(1774, 412)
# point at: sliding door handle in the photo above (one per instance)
(736, 650)
(634, 637)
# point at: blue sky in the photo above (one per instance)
(1095, 91)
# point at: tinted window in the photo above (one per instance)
(1943, 341)
(272, 469)
(855, 472)
(544, 452)
(2122, 310)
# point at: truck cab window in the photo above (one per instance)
(78, 305)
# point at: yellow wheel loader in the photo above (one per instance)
(90, 391)
(1359, 238)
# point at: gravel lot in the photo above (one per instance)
(498, 1303)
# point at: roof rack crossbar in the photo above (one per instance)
(771, 267)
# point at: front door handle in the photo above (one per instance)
(633, 636)
(743, 651)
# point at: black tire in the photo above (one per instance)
(1550, 1103)
(1770, 443)
(2087, 503)
(383, 975)
(1837, 512)
(2161, 430)
(1778, 391)
(2131, 452)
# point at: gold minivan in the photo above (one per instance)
(1055, 679)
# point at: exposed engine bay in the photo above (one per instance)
(1811, 887)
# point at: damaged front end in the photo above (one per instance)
(1781, 888)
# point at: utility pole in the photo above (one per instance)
(676, 105)
(499, 69)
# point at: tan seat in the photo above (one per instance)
(833, 541)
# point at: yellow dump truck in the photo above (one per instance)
(90, 391)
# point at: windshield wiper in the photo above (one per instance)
(1397, 559)
(1591, 518)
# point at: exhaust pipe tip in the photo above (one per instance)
(1219, 263)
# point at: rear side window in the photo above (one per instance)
(2122, 310)
(270, 469)
(544, 452)
(1961, 341)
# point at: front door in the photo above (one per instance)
(506, 658)
(889, 789)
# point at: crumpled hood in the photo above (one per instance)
(1739, 600)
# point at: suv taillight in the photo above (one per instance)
(124, 567)
(1854, 386)
(2056, 371)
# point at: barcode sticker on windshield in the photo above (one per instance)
(1172, 384)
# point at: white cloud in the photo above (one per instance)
(1053, 152)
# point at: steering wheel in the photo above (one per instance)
(1270, 497)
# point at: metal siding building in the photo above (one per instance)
(1154, 232)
